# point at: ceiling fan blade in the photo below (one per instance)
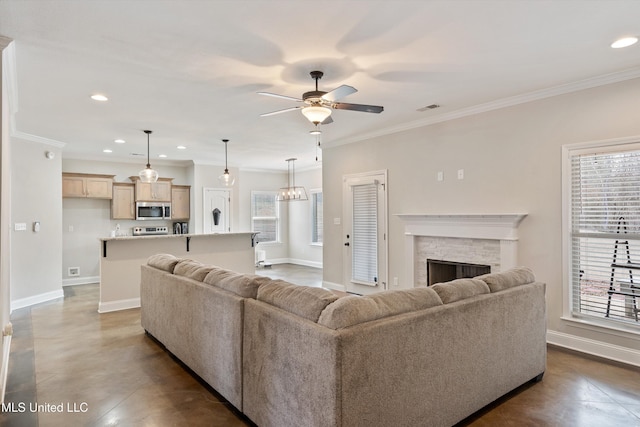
(339, 93)
(275, 95)
(327, 121)
(279, 111)
(358, 107)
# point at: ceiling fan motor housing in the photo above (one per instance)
(313, 97)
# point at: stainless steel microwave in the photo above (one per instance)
(153, 210)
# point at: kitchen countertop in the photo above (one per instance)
(169, 236)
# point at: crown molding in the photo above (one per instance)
(589, 83)
(38, 139)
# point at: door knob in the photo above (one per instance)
(346, 244)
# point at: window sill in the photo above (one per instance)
(605, 327)
(315, 244)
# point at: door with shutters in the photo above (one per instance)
(365, 232)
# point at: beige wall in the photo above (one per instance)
(512, 163)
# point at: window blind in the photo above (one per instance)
(264, 216)
(605, 235)
(317, 230)
(365, 234)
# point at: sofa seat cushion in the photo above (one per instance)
(458, 289)
(193, 269)
(165, 262)
(244, 285)
(508, 279)
(304, 301)
(352, 310)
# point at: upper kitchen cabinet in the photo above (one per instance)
(87, 185)
(180, 201)
(159, 191)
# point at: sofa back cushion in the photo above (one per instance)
(304, 301)
(508, 279)
(165, 262)
(352, 310)
(192, 269)
(458, 289)
(244, 285)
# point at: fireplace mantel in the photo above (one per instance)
(497, 227)
(471, 226)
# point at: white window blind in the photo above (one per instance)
(605, 235)
(264, 216)
(317, 228)
(365, 234)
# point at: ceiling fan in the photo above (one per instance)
(318, 104)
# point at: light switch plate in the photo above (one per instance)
(20, 226)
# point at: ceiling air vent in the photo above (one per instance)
(428, 107)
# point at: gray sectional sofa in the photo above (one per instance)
(289, 355)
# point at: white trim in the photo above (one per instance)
(334, 286)
(123, 304)
(7, 332)
(36, 299)
(306, 263)
(595, 348)
(471, 226)
(36, 138)
(81, 281)
(589, 83)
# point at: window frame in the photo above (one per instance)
(568, 151)
(278, 239)
(314, 222)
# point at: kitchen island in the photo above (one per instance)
(121, 258)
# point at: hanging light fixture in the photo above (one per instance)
(316, 114)
(147, 174)
(291, 192)
(226, 179)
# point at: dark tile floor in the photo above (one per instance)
(105, 371)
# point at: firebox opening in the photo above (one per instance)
(439, 271)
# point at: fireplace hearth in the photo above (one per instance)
(439, 271)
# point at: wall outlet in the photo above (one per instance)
(460, 173)
(74, 271)
(395, 281)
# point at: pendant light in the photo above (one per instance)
(291, 192)
(226, 179)
(147, 174)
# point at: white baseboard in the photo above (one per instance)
(4, 368)
(595, 348)
(81, 281)
(334, 286)
(306, 263)
(36, 299)
(123, 304)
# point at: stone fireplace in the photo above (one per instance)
(489, 240)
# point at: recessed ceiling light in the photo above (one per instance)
(119, 141)
(99, 97)
(624, 42)
(181, 147)
(106, 150)
(162, 156)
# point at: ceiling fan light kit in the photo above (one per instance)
(319, 104)
(147, 174)
(226, 179)
(291, 192)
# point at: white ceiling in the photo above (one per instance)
(190, 70)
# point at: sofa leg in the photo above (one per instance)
(538, 377)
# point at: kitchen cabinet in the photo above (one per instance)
(180, 201)
(87, 185)
(123, 203)
(159, 191)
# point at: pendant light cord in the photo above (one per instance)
(148, 132)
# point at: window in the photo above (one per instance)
(316, 217)
(264, 216)
(604, 224)
(365, 234)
